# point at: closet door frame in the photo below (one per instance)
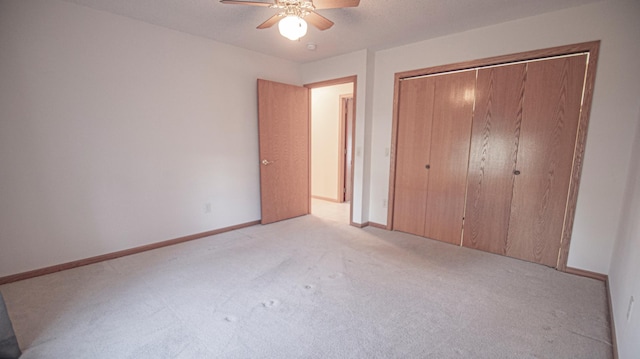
(592, 48)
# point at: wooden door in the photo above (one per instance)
(415, 112)
(283, 121)
(449, 155)
(347, 149)
(553, 96)
(494, 145)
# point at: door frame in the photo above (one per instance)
(592, 48)
(338, 81)
(342, 145)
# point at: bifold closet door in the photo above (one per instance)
(432, 149)
(449, 159)
(494, 146)
(521, 158)
(551, 111)
(415, 113)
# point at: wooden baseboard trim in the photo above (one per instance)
(378, 225)
(586, 273)
(359, 225)
(113, 255)
(367, 224)
(326, 199)
(605, 279)
(614, 341)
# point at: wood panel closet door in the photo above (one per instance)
(494, 145)
(413, 134)
(449, 158)
(553, 96)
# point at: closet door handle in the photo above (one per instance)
(516, 172)
(427, 166)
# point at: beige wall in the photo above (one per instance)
(624, 276)
(115, 133)
(325, 139)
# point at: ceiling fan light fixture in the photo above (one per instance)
(292, 27)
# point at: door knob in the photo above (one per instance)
(516, 172)
(265, 162)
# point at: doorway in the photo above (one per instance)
(332, 131)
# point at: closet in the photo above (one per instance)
(522, 147)
(434, 127)
(489, 157)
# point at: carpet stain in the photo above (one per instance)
(271, 303)
(559, 313)
(336, 275)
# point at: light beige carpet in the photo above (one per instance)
(311, 288)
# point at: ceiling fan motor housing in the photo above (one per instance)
(299, 10)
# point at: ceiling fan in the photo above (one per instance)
(293, 15)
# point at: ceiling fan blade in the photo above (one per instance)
(270, 22)
(317, 20)
(252, 3)
(335, 4)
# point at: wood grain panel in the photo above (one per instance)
(591, 47)
(344, 148)
(415, 111)
(283, 121)
(391, 196)
(553, 95)
(348, 171)
(494, 145)
(342, 145)
(451, 132)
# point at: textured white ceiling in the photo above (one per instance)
(375, 24)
